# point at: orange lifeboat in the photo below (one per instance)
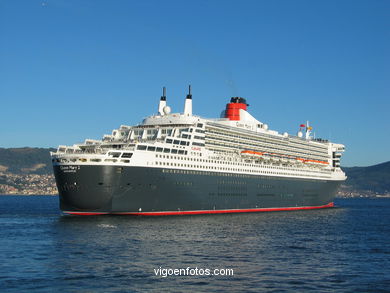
(248, 152)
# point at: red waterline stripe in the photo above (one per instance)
(199, 212)
(86, 213)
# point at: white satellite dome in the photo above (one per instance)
(167, 110)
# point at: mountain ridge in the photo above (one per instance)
(26, 160)
(375, 178)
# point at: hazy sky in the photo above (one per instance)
(71, 70)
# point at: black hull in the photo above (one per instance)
(140, 190)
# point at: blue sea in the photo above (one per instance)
(342, 249)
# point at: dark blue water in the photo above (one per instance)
(344, 249)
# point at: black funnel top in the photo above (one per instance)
(164, 97)
(189, 96)
(237, 100)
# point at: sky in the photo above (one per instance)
(71, 70)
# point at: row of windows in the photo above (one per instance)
(118, 154)
(178, 142)
(229, 194)
(265, 186)
(223, 135)
(179, 158)
(182, 142)
(237, 175)
(216, 128)
(227, 182)
(149, 131)
(280, 165)
(199, 137)
(292, 155)
(158, 163)
(198, 144)
(183, 183)
(84, 160)
(241, 164)
(161, 150)
(167, 131)
(268, 140)
(241, 132)
(270, 147)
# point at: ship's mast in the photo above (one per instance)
(308, 130)
(162, 103)
(188, 103)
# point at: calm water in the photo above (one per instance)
(344, 249)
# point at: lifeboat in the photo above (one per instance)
(317, 163)
(283, 159)
(251, 153)
(312, 162)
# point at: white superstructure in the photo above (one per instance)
(237, 143)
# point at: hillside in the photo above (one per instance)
(26, 160)
(375, 179)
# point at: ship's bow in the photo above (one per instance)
(85, 188)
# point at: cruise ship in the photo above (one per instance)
(180, 163)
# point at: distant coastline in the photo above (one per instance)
(29, 194)
(27, 184)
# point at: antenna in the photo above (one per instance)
(164, 97)
(189, 96)
(163, 102)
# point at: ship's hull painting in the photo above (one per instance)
(105, 189)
